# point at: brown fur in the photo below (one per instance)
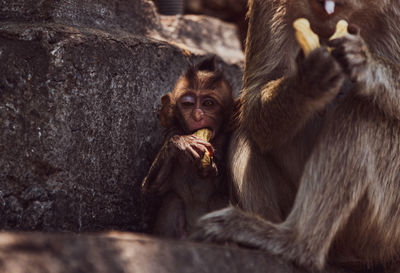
(321, 173)
(187, 190)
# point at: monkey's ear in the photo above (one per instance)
(167, 110)
(190, 74)
(208, 64)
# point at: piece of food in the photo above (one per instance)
(341, 30)
(205, 134)
(307, 39)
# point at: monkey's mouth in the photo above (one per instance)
(329, 6)
(327, 13)
(209, 128)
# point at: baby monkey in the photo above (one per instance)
(189, 188)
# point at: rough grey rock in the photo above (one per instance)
(78, 112)
(133, 16)
(199, 34)
(79, 93)
(121, 252)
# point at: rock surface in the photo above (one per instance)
(228, 10)
(137, 17)
(233, 11)
(80, 85)
(222, 39)
(121, 252)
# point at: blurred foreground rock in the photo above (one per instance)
(128, 253)
(80, 85)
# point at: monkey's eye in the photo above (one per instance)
(187, 104)
(187, 101)
(208, 102)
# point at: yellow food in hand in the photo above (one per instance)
(341, 30)
(307, 39)
(205, 134)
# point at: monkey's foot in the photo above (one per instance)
(234, 225)
(211, 226)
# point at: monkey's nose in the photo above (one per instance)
(198, 114)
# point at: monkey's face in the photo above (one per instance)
(200, 109)
(201, 101)
(324, 14)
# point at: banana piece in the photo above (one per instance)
(205, 134)
(341, 30)
(307, 39)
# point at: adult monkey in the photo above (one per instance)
(322, 170)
